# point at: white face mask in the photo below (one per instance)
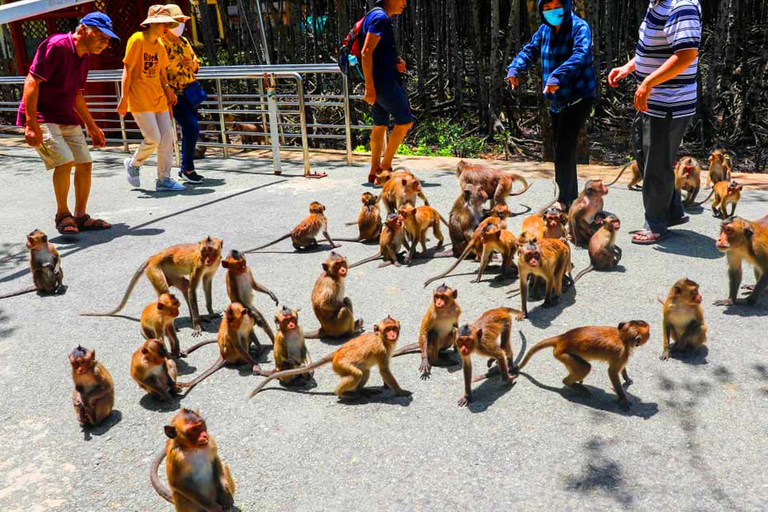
(178, 30)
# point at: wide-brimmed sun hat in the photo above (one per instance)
(159, 14)
(176, 13)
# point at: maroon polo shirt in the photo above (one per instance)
(63, 73)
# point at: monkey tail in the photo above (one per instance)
(549, 342)
(406, 349)
(218, 365)
(127, 294)
(442, 219)
(464, 254)
(366, 260)
(526, 186)
(163, 491)
(290, 373)
(199, 345)
(271, 243)
(587, 270)
(518, 314)
(19, 292)
(351, 223)
(357, 239)
(619, 175)
(712, 191)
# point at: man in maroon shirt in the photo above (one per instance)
(51, 110)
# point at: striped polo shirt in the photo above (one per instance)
(669, 27)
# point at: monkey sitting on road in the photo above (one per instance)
(742, 240)
(368, 222)
(604, 254)
(154, 371)
(44, 265)
(613, 345)
(94, 394)
(332, 307)
(466, 215)
(290, 349)
(683, 318)
(583, 211)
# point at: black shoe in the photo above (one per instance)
(191, 177)
(678, 222)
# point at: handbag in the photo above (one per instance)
(194, 94)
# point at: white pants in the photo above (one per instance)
(157, 130)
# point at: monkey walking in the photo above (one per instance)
(44, 265)
(548, 259)
(171, 267)
(688, 178)
(683, 318)
(719, 167)
(636, 176)
(402, 188)
(437, 332)
(198, 479)
(154, 371)
(329, 303)
(496, 184)
(304, 236)
(726, 193)
(417, 223)
(353, 362)
(743, 240)
(368, 222)
(480, 338)
(614, 345)
(94, 394)
(604, 254)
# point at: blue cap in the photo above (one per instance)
(101, 21)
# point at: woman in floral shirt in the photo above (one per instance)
(182, 72)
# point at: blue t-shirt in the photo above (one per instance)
(384, 56)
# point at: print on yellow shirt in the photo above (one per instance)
(144, 61)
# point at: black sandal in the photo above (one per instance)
(66, 227)
(95, 225)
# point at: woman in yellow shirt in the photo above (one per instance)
(182, 72)
(148, 96)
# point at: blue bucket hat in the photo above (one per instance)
(101, 21)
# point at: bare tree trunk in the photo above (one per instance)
(495, 74)
(480, 73)
(210, 25)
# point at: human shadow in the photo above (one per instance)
(189, 191)
(684, 242)
(106, 425)
(153, 403)
(597, 398)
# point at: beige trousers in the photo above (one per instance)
(157, 129)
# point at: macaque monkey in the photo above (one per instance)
(332, 308)
(255, 133)
(550, 223)
(466, 214)
(613, 345)
(171, 266)
(604, 254)
(157, 321)
(240, 287)
(726, 193)
(496, 183)
(549, 259)
(742, 240)
(495, 239)
(154, 371)
(480, 337)
(44, 265)
(391, 240)
(198, 479)
(369, 220)
(583, 211)
(688, 178)
(719, 167)
(290, 349)
(438, 330)
(637, 176)
(94, 394)
(304, 236)
(385, 175)
(400, 190)
(353, 362)
(234, 340)
(417, 222)
(683, 318)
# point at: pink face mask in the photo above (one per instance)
(178, 30)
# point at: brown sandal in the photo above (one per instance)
(66, 224)
(88, 223)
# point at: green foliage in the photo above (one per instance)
(443, 138)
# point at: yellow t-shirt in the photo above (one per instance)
(179, 75)
(145, 60)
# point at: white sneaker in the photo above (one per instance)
(131, 173)
(169, 184)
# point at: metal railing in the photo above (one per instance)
(278, 111)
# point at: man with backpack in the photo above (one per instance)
(381, 69)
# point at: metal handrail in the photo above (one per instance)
(216, 103)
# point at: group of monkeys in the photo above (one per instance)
(197, 478)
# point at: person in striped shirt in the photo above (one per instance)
(564, 43)
(666, 63)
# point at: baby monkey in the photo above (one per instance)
(726, 193)
(290, 349)
(683, 318)
(613, 345)
(368, 222)
(604, 254)
(44, 265)
(94, 394)
(154, 371)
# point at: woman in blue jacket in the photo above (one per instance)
(564, 43)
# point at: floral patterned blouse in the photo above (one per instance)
(179, 75)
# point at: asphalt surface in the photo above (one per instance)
(695, 438)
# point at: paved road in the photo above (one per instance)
(695, 438)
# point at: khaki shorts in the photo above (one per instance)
(62, 144)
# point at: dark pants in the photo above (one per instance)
(656, 142)
(566, 126)
(186, 115)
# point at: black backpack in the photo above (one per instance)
(350, 52)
